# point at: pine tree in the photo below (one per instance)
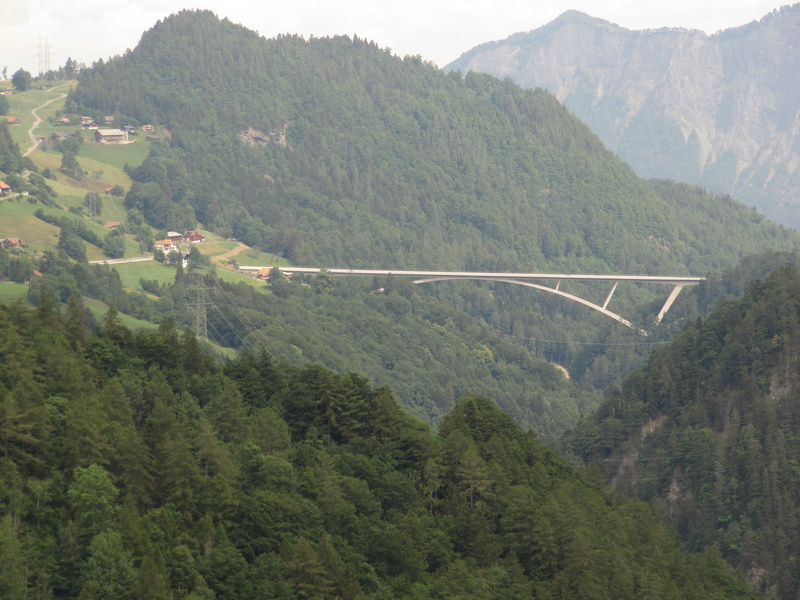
(13, 568)
(75, 324)
(153, 579)
(307, 574)
(86, 442)
(93, 499)
(109, 571)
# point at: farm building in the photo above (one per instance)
(193, 237)
(110, 136)
(10, 243)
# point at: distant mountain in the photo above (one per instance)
(708, 430)
(719, 110)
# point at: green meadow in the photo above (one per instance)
(12, 292)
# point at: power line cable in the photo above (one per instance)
(532, 339)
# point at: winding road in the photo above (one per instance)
(35, 113)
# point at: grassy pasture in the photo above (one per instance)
(11, 292)
(113, 155)
(98, 309)
(111, 174)
(17, 220)
(255, 258)
(21, 105)
(131, 273)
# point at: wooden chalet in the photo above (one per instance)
(60, 135)
(13, 121)
(10, 243)
(110, 136)
(4, 188)
(193, 236)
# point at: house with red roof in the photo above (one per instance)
(4, 188)
(166, 246)
(193, 236)
(10, 243)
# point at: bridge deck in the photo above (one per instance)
(493, 276)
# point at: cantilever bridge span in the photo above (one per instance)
(533, 280)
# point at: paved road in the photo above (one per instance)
(492, 276)
(116, 261)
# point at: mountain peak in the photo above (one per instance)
(675, 103)
(576, 16)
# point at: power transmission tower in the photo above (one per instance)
(200, 313)
(43, 55)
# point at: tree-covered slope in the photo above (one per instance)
(429, 353)
(334, 151)
(10, 158)
(133, 466)
(708, 429)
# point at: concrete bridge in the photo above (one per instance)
(532, 280)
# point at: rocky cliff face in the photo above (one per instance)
(719, 110)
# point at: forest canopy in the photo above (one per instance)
(134, 465)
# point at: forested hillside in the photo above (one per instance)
(428, 352)
(334, 152)
(708, 430)
(134, 466)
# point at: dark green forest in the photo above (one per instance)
(708, 430)
(133, 465)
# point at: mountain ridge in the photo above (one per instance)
(719, 110)
(371, 133)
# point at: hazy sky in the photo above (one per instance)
(437, 30)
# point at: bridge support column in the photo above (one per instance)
(611, 293)
(668, 303)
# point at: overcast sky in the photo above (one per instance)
(437, 30)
